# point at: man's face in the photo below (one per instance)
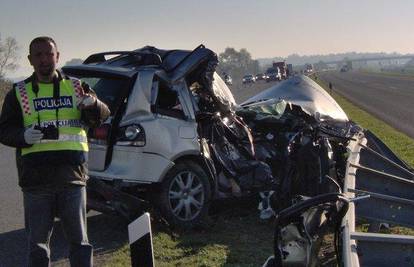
(44, 58)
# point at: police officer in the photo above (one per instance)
(44, 117)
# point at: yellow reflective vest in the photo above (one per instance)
(41, 107)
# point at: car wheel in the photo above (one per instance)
(185, 195)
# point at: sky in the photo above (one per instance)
(266, 28)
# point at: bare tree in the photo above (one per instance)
(8, 55)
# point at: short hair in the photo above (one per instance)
(41, 39)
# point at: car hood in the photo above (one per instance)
(303, 91)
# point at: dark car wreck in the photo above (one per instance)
(331, 174)
(177, 140)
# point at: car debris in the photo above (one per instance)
(300, 229)
(177, 140)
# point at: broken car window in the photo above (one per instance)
(202, 98)
(168, 103)
(107, 90)
(222, 92)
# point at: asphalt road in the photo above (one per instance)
(106, 233)
(389, 98)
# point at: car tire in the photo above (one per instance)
(185, 195)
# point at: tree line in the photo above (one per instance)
(237, 63)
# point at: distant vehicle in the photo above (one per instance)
(228, 80)
(344, 69)
(282, 68)
(260, 76)
(273, 74)
(249, 78)
(308, 68)
(347, 66)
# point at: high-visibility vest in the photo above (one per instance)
(43, 106)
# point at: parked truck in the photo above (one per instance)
(282, 67)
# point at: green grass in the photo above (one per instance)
(238, 237)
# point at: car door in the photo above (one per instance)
(112, 88)
(160, 118)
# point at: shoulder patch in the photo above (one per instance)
(78, 87)
(21, 88)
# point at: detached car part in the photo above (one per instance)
(299, 229)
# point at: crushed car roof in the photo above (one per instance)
(177, 63)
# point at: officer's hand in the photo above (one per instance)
(86, 102)
(32, 136)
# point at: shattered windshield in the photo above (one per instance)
(271, 107)
(222, 92)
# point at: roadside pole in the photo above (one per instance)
(140, 242)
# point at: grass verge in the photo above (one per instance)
(237, 237)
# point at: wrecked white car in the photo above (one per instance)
(156, 145)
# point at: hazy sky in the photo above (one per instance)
(265, 28)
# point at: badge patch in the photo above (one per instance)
(51, 103)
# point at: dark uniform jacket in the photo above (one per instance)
(51, 168)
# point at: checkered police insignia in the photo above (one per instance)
(21, 86)
(78, 87)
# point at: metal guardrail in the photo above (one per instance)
(390, 188)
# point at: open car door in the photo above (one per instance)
(112, 89)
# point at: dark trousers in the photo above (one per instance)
(41, 206)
